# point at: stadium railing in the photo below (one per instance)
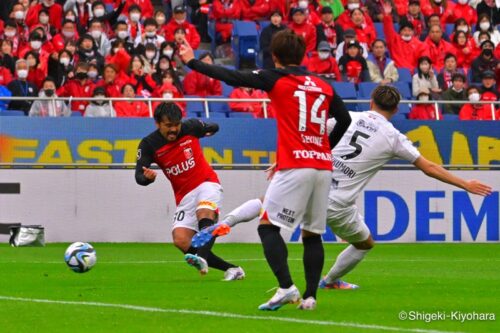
(208, 101)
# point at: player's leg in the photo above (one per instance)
(348, 224)
(243, 213)
(283, 207)
(208, 200)
(313, 227)
(182, 240)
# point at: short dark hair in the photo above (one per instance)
(150, 21)
(386, 98)
(472, 87)
(49, 79)
(171, 111)
(449, 55)
(288, 47)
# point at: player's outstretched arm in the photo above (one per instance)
(342, 120)
(143, 174)
(251, 79)
(434, 170)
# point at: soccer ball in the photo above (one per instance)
(80, 257)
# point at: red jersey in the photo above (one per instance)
(182, 161)
(302, 102)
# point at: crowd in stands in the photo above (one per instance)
(441, 49)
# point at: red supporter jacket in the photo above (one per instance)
(36, 75)
(344, 20)
(114, 89)
(121, 60)
(58, 42)
(135, 109)
(306, 30)
(404, 54)
(437, 52)
(169, 88)
(465, 58)
(144, 85)
(469, 112)
(464, 11)
(260, 10)
(55, 15)
(224, 11)
(147, 9)
(254, 107)
(5, 76)
(424, 112)
(192, 35)
(365, 33)
(312, 15)
(201, 85)
(401, 7)
(328, 66)
(74, 88)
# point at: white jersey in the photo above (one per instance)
(369, 142)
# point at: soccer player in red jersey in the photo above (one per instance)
(297, 194)
(176, 149)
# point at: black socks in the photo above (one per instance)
(314, 257)
(276, 253)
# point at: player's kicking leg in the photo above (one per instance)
(244, 213)
(349, 225)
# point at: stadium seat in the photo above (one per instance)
(76, 114)
(404, 75)
(449, 29)
(379, 29)
(364, 92)
(240, 115)
(192, 106)
(217, 115)
(262, 25)
(16, 113)
(404, 108)
(218, 107)
(346, 90)
(399, 116)
(404, 89)
(450, 117)
(226, 89)
(191, 114)
(244, 42)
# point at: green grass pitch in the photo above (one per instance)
(148, 288)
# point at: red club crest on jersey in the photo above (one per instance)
(188, 153)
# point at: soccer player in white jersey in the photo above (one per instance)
(369, 143)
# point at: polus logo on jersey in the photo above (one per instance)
(309, 85)
(181, 167)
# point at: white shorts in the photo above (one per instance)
(347, 223)
(207, 195)
(298, 197)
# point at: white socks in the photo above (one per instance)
(244, 213)
(346, 261)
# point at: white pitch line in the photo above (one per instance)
(156, 262)
(223, 314)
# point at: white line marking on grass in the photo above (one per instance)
(222, 314)
(156, 262)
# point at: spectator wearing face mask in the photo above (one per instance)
(425, 79)
(424, 111)
(415, 17)
(99, 107)
(140, 77)
(179, 21)
(151, 54)
(149, 36)
(101, 41)
(267, 34)
(68, 33)
(82, 10)
(381, 68)
(169, 50)
(323, 63)
(484, 25)
(485, 61)
(491, 9)
(54, 9)
(49, 108)
(310, 10)
(474, 111)
(11, 35)
(145, 5)
(167, 91)
(108, 19)
(21, 87)
(328, 30)
(255, 108)
(132, 108)
(79, 86)
(93, 73)
(405, 48)
(122, 35)
(60, 68)
(43, 23)
(455, 93)
(353, 66)
(199, 84)
(36, 44)
(134, 21)
(301, 27)
(349, 35)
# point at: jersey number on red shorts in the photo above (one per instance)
(315, 119)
